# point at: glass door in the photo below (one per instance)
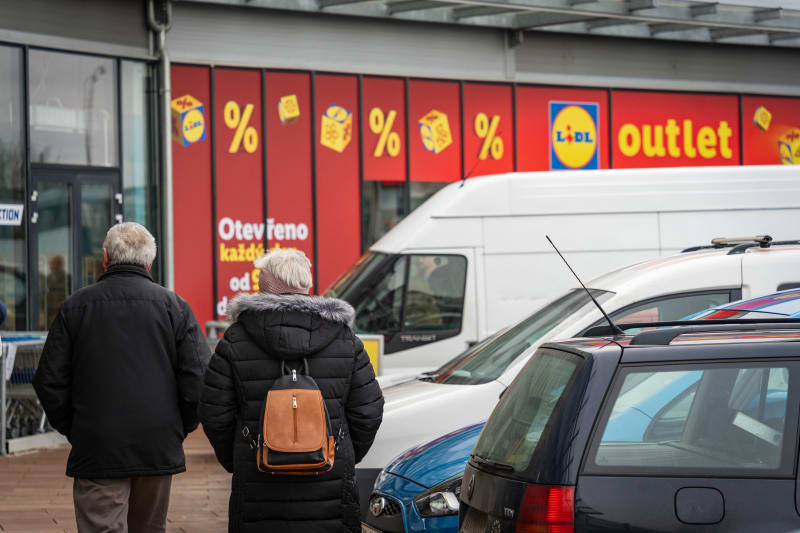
(71, 213)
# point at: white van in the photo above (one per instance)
(473, 258)
(465, 390)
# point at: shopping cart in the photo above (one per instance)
(21, 414)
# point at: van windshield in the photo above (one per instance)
(486, 361)
(514, 429)
(352, 279)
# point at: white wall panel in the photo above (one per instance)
(634, 231)
(230, 35)
(678, 229)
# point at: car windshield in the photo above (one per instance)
(486, 361)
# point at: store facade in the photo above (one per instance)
(327, 162)
(77, 149)
(321, 131)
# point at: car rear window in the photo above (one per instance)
(513, 431)
(732, 419)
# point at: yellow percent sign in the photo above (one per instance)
(487, 130)
(239, 120)
(381, 124)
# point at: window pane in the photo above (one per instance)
(55, 251)
(12, 189)
(422, 190)
(96, 218)
(140, 188)
(383, 208)
(673, 308)
(73, 110)
(379, 310)
(514, 429)
(486, 361)
(435, 299)
(724, 418)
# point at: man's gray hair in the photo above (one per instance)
(130, 242)
(288, 266)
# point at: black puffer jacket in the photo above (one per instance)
(121, 374)
(268, 329)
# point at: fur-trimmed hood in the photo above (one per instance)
(327, 308)
(291, 326)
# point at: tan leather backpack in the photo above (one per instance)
(294, 436)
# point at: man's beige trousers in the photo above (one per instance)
(130, 505)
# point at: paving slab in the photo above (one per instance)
(36, 495)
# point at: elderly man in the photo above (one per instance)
(121, 377)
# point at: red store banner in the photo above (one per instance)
(653, 129)
(561, 129)
(770, 130)
(488, 129)
(240, 206)
(191, 185)
(384, 126)
(434, 117)
(288, 144)
(337, 176)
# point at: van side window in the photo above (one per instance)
(673, 307)
(700, 419)
(435, 293)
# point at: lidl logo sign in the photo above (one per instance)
(574, 142)
(188, 120)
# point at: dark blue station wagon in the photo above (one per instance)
(691, 428)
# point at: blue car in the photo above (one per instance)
(419, 490)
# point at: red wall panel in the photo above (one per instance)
(674, 129)
(488, 129)
(770, 130)
(434, 116)
(337, 176)
(384, 127)
(240, 206)
(191, 183)
(289, 198)
(543, 143)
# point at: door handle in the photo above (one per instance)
(118, 218)
(34, 217)
(118, 198)
(34, 195)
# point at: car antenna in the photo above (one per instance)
(616, 329)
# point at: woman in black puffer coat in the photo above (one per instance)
(283, 324)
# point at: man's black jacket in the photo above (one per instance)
(121, 375)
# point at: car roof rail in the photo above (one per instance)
(662, 337)
(604, 330)
(740, 248)
(733, 242)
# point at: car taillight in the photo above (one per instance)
(547, 509)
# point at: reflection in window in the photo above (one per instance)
(383, 205)
(422, 190)
(380, 308)
(13, 279)
(96, 215)
(73, 109)
(435, 296)
(711, 417)
(140, 188)
(670, 308)
(55, 250)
